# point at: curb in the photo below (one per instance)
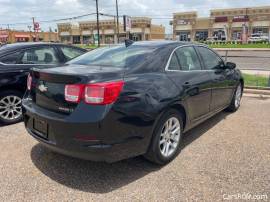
(259, 96)
(257, 88)
(257, 92)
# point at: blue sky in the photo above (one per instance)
(21, 11)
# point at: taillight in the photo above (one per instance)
(73, 93)
(96, 94)
(102, 93)
(29, 82)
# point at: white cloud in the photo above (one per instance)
(13, 11)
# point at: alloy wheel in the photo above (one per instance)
(10, 108)
(170, 137)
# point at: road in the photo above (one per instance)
(228, 154)
(249, 59)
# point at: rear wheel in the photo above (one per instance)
(236, 101)
(10, 107)
(166, 139)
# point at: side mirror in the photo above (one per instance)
(230, 65)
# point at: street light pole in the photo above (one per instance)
(98, 23)
(117, 17)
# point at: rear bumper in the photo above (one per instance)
(99, 152)
(106, 140)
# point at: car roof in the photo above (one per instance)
(160, 43)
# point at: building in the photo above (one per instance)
(236, 24)
(12, 36)
(85, 32)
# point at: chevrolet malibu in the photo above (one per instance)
(135, 99)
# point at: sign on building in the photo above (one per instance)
(127, 23)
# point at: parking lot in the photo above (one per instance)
(228, 154)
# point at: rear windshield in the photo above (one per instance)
(117, 56)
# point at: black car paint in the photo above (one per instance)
(124, 129)
(14, 76)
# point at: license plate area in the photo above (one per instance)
(41, 127)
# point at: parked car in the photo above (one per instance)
(15, 62)
(123, 101)
(258, 37)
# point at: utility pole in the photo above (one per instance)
(117, 18)
(35, 31)
(98, 23)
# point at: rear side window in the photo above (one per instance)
(70, 52)
(43, 55)
(211, 60)
(12, 58)
(174, 64)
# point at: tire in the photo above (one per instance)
(236, 100)
(10, 106)
(157, 152)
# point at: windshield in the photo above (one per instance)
(117, 56)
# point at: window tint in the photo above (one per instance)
(70, 52)
(43, 55)
(174, 65)
(11, 58)
(210, 59)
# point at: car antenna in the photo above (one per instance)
(128, 42)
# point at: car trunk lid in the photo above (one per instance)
(48, 87)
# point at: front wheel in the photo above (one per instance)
(236, 101)
(166, 139)
(10, 107)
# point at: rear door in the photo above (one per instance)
(223, 83)
(194, 83)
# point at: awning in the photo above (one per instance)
(4, 36)
(22, 36)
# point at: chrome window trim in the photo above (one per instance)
(5, 64)
(169, 60)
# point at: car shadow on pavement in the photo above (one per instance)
(96, 177)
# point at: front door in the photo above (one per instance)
(186, 72)
(223, 83)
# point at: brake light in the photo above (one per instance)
(102, 93)
(96, 94)
(73, 93)
(29, 81)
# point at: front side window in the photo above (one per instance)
(211, 60)
(118, 56)
(188, 59)
(43, 55)
(12, 58)
(71, 53)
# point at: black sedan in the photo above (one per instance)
(15, 63)
(124, 101)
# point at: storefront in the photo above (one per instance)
(3, 38)
(76, 39)
(22, 37)
(201, 35)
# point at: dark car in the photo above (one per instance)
(120, 102)
(15, 63)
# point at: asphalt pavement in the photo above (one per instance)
(227, 155)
